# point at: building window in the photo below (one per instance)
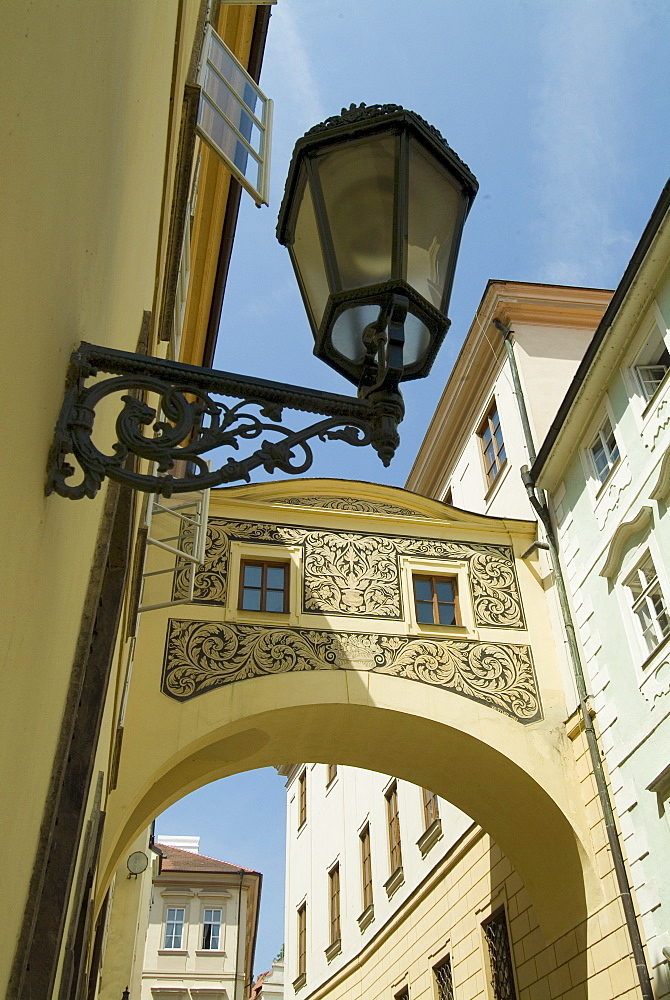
(648, 603)
(604, 451)
(436, 600)
(334, 894)
(366, 866)
(302, 939)
(493, 446)
(264, 586)
(651, 364)
(430, 809)
(302, 798)
(332, 773)
(444, 982)
(403, 994)
(449, 497)
(174, 928)
(500, 957)
(211, 930)
(395, 852)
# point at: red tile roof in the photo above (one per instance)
(176, 860)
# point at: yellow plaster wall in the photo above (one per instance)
(86, 91)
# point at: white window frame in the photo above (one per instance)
(655, 337)
(612, 457)
(212, 923)
(259, 156)
(175, 922)
(643, 601)
(188, 544)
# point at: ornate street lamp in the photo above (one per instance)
(372, 215)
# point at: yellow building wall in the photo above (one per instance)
(92, 98)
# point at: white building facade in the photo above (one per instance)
(606, 466)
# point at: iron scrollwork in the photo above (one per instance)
(187, 424)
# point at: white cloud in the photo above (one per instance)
(581, 112)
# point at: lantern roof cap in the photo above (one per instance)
(361, 119)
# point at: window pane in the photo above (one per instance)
(275, 578)
(423, 589)
(447, 614)
(251, 600)
(253, 576)
(445, 591)
(274, 600)
(424, 613)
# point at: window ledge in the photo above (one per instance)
(601, 486)
(366, 917)
(172, 951)
(493, 487)
(211, 951)
(333, 950)
(430, 837)
(393, 883)
(646, 663)
(299, 981)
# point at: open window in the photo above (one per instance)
(651, 365)
(648, 603)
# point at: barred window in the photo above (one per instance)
(444, 980)
(500, 956)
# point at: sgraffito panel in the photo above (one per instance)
(201, 656)
(357, 574)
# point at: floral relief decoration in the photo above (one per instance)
(201, 656)
(351, 573)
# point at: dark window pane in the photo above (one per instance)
(445, 591)
(424, 613)
(423, 589)
(447, 614)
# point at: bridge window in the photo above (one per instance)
(211, 930)
(436, 600)
(264, 586)
(174, 928)
(500, 956)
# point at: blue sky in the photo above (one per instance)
(559, 107)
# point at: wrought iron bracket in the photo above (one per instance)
(186, 424)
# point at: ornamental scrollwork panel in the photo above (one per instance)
(350, 504)
(352, 573)
(201, 656)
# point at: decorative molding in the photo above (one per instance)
(348, 573)
(393, 883)
(333, 950)
(201, 656)
(661, 490)
(366, 917)
(612, 493)
(430, 837)
(621, 536)
(349, 504)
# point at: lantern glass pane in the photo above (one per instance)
(434, 213)
(358, 187)
(347, 335)
(417, 340)
(309, 258)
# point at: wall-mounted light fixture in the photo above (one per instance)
(372, 215)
